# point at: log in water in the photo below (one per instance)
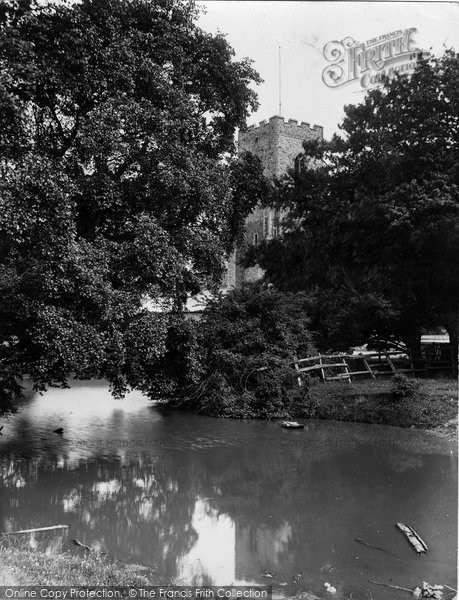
(414, 539)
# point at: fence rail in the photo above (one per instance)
(372, 364)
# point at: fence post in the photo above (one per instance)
(368, 368)
(321, 370)
(347, 369)
(297, 368)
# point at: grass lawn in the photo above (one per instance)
(20, 565)
(433, 406)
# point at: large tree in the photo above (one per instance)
(373, 231)
(118, 181)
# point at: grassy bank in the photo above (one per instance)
(432, 406)
(20, 565)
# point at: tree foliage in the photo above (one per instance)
(373, 227)
(118, 180)
(244, 350)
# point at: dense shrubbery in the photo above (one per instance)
(247, 341)
(404, 388)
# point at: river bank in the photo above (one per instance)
(20, 565)
(429, 404)
(433, 406)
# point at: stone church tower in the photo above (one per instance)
(277, 143)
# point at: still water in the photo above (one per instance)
(208, 501)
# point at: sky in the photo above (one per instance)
(256, 29)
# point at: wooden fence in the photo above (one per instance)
(347, 367)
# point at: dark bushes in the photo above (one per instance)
(247, 342)
(404, 388)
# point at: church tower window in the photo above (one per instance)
(300, 164)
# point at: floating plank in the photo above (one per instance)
(372, 546)
(37, 529)
(414, 539)
(393, 587)
(81, 545)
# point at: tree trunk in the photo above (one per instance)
(413, 344)
(9, 390)
(452, 327)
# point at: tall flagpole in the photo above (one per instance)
(280, 83)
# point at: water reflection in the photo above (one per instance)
(211, 561)
(217, 502)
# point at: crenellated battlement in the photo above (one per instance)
(280, 121)
(277, 142)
